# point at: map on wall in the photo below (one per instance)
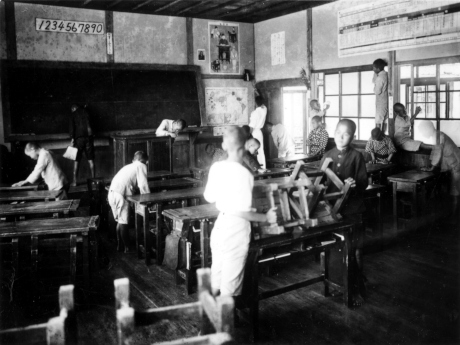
(224, 48)
(226, 106)
(397, 24)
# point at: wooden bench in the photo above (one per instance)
(272, 173)
(29, 187)
(145, 204)
(60, 330)
(215, 314)
(183, 220)
(41, 208)
(51, 231)
(39, 195)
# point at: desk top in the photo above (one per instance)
(370, 168)
(29, 195)
(151, 176)
(295, 158)
(139, 136)
(153, 198)
(48, 226)
(273, 172)
(173, 183)
(59, 206)
(8, 188)
(414, 176)
(192, 213)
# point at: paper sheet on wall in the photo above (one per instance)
(397, 24)
(226, 106)
(278, 45)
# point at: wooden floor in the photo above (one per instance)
(413, 298)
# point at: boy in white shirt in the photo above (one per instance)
(230, 187)
(170, 127)
(47, 167)
(283, 140)
(126, 182)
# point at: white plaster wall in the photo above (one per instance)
(57, 46)
(295, 27)
(201, 39)
(140, 38)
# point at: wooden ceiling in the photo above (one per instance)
(246, 11)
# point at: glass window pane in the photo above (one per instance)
(350, 106)
(452, 129)
(332, 84)
(430, 111)
(443, 110)
(417, 136)
(331, 123)
(454, 105)
(451, 70)
(402, 94)
(334, 108)
(321, 94)
(454, 85)
(442, 96)
(443, 87)
(419, 94)
(431, 87)
(431, 97)
(365, 128)
(368, 106)
(425, 71)
(405, 71)
(349, 83)
(422, 113)
(367, 86)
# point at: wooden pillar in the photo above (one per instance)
(189, 31)
(109, 36)
(393, 89)
(312, 92)
(10, 30)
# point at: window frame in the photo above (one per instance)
(284, 90)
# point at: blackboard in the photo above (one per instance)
(37, 96)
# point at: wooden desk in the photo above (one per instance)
(83, 227)
(414, 182)
(144, 204)
(373, 200)
(182, 220)
(125, 145)
(266, 250)
(30, 187)
(287, 161)
(55, 208)
(273, 172)
(177, 183)
(39, 195)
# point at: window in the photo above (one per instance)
(351, 96)
(436, 89)
(294, 114)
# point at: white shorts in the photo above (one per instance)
(120, 207)
(229, 246)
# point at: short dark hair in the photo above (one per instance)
(32, 145)
(141, 156)
(259, 100)
(380, 64)
(350, 124)
(181, 123)
(376, 134)
(397, 105)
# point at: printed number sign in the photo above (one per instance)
(55, 25)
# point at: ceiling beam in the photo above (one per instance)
(244, 9)
(114, 3)
(266, 9)
(87, 2)
(142, 4)
(167, 6)
(215, 7)
(188, 8)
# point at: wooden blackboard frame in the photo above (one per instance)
(6, 64)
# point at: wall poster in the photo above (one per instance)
(278, 48)
(224, 48)
(397, 24)
(226, 106)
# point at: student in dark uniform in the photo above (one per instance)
(81, 135)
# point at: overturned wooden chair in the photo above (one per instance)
(216, 314)
(60, 330)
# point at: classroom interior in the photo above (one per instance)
(158, 59)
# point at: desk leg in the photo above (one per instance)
(415, 202)
(395, 206)
(348, 268)
(34, 259)
(325, 265)
(380, 220)
(73, 257)
(15, 261)
(254, 301)
(137, 227)
(85, 255)
(204, 243)
(94, 265)
(159, 237)
(147, 242)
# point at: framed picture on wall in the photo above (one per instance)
(201, 55)
(224, 48)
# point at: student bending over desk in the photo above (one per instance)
(349, 165)
(230, 187)
(47, 167)
(380, 147)
(126, 182)
(282, 139)
(445, 155)
(250, 155)
(170, 127)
